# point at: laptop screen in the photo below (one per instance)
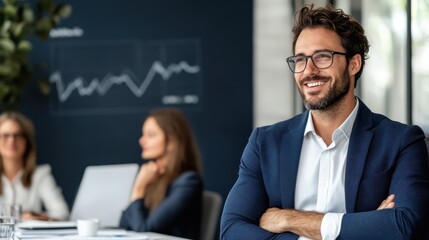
(104, 193)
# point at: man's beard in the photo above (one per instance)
(334, 95)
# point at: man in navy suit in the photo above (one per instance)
(337, 171)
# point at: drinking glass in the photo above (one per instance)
(16, 212)
(7, 221)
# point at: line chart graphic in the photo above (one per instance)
(126, 77)
(121, 75)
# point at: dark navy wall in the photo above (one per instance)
(139, 55)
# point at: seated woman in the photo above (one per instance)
(167, 193)
(22, 182)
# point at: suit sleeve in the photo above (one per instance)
(178, 202)
(248, 200)
(410, 184)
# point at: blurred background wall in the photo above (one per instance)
(112, 62)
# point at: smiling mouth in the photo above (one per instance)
(314, 84)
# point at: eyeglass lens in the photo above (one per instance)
(321, 59)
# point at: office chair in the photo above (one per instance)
(212, 202)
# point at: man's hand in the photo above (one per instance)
(272, 220)
(302, 223)
(387, 203)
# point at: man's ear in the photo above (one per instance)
(355, 64)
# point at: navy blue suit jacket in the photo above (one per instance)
(178, 215)
(383, 157)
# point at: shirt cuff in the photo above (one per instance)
(331, 225)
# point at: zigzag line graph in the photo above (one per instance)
(126, 77)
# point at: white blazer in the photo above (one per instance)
(42, 192)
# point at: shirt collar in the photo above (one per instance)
(346, 127)
(16, 179)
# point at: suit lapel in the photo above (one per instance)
(290, 151)
(360, 141)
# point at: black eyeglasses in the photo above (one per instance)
(321, 59)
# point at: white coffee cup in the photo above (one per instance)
(87, 227)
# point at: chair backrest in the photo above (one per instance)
(427, 142)
(212, 203)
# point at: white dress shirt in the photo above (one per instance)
(321, 174)
(42, 192)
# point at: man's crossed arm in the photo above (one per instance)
(302, 223)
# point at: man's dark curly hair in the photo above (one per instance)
(351, 32)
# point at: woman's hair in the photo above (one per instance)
(351, 32)
(184, 156)
(29, 159)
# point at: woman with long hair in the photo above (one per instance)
(22, 182)
(167, 193)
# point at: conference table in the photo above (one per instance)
(128, 236)
(72, 234)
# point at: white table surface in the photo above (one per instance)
(108, 234)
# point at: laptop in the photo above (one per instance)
(104, 193)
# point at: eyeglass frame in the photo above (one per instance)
(18, 136)
(288, 60)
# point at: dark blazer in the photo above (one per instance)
(384, 157)
(178, 215)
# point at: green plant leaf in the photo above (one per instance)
(15, 68)
(43, 27)
(5, 70)
(13, 96)
(24, 46)
(16, 29)
(4, 89)
(26, 30)
(63, 10)
(6, 26)
(43, 24)
(18, 21)
(56, 20)
(44, 86)
(9, 2)
(27, 15)
(10, 11)
(7, 45)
